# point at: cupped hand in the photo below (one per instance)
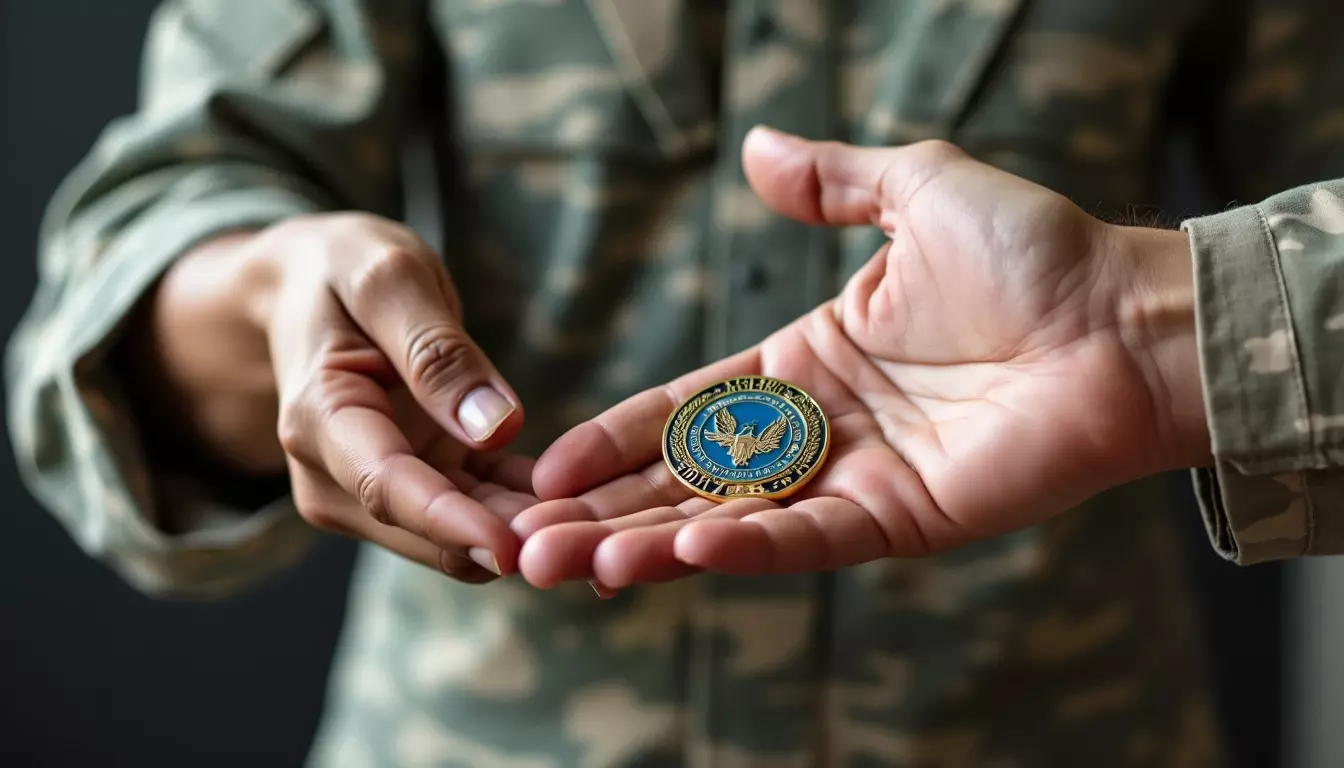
(389, 413)
(1002, 358)
(390, 419)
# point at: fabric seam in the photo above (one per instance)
(1299, 377)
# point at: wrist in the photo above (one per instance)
(1156, 316)
(256, 277)
(206, 356)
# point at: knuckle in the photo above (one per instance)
(331, 391)
(938, 149)
(304, 412)
(377, 275)
(322, 517)
(314, 511)
(293, 430)
(371, 491)
(342, 354)
(439, 355)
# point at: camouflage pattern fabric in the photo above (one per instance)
(607, 227)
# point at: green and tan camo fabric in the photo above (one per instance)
(606, 241)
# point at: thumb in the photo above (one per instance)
(400, 302)
(827, 182)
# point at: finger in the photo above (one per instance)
(468, 469)
(450, 562)
(509, 470)
(655, 486)
(329, 508)
(818, 534)
(640, 554)
(632, 549)
(827, 182)
(560, 553)
(643, 554)
(367, 455)
(503, 503)
(338, 421)
(549, 514)
(564, 551)
(398, 297)
(628, 437)
(370, 459)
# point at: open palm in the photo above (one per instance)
(975, 371)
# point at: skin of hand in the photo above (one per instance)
(1001, 359)
(330, 346)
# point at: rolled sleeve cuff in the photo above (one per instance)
(76, 445)
(1253, 499)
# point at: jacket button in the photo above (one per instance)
(754, 277)
(761, 29)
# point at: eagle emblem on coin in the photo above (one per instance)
(742, 444)
(752, 436)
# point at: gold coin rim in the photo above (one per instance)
(802, 481)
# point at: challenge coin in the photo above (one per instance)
(748, 437)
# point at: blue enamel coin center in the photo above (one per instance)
(748, 437)
(753, 412)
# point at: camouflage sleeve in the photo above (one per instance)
(1270, 308)
(1271, 336)
(249, 113)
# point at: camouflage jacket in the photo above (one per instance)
(597, 220)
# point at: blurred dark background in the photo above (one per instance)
(93, 674)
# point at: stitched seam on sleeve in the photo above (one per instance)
(1299, 377)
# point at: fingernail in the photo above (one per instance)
(602, 592)
(486, 559)
(482, 411)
